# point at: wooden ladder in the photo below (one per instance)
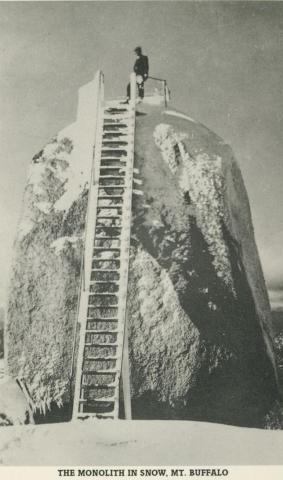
(102, 309)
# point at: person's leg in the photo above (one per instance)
(129, 91)
(141, 90)
(128, 94)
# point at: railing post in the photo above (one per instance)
(133, 84)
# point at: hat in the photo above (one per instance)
(138, 49)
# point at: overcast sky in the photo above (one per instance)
(223, 62)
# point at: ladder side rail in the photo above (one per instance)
(125, 246)
(89, 236)
(93, 189)
(126, 373)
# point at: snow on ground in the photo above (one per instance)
(108, 442)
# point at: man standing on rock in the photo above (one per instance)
(141, 71)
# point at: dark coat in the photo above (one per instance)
(141, 66)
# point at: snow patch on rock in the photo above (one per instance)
(35, 177)
(56, 179)
(25, 226)
(60, 244)
(44, 207)
(44, 388)
(180, 115)
(166, 139)
(205, 182)
(201, 176)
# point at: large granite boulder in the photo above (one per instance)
(198, 313)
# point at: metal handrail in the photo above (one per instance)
(165, 88)
(158, 79)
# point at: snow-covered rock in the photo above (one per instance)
(199, 319)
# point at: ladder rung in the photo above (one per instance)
(106, 260)
(109, 216)
(122, 132)
(102, 332)
(110, 206)
(120, 162)
(101, 399)
(111, 143)
(117, 107)
(112, 186)
(96, 386)
(97, 357)
(116, 110)
(110, 249)
(114, 149)
(108, 344)
(115, 137)
(112, 167)
(118, 189)
(106, 197)
(107, 238)
(111, 119)
(96, 415)
(123, 127)
(106, 207)
(118, 136)
(116, 133)
(108, 226)
(99, 307)
(103, 319)
(99, 294)
(99, 387)
(110, 292)
(116, 235)
(104, 271)
(114, 252)
(117, 117)
(99, 372)
(111, 176)
(117, 171)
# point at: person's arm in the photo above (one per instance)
(146, 66)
